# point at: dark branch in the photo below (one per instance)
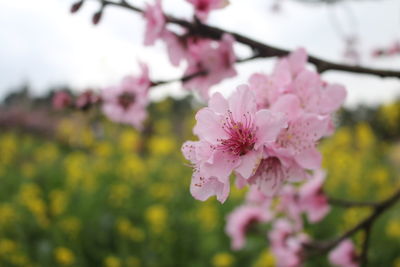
(348, 203)
(324, 246)
(364, 249)
(261, 49)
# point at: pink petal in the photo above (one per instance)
(309, 159)
(202, 188)
(269, 126)
(289, 105)
(241, 102)
(332, 98)
(208, 126)
(221, 167)
(249, 163)
(297, 60)
(218, 103)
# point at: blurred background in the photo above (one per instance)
(79, 190)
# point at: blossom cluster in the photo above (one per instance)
(287, 238)
(208, 62)
(265, 133)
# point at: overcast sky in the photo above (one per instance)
(43, 44)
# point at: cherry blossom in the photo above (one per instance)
(240, 221)
(344, 255)
(312, 198)
(215, 59)
(86, 99)
(232, 135)
(126, 103)
(61, 100)
(176, 47)
(203, 7)
(155, 22)
(287, 244)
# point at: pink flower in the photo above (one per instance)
(203, 7)
(232, 135)
(87, 99)
(241, 220)
(273, 171)
(202, 187)
(266, 88)
(216, 59)
(155, 22)
(304, 130)
(312, 198)
(287, 244)
(176, 47)
(344, 255)
(61, 100)
(127, 102)
(317, 96)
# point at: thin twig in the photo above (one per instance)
(262, 50)
(324, 246)
(364, 250)
(349, 203)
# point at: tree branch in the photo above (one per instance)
(364, 250)
(348, 203)
(379, 208)
(261, 49)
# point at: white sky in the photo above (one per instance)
(43, 44)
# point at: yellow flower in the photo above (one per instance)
(8, 148)
(58, 202)
(266, 259)
(132, 168)
(393, 229)
(46, 153)
(64, 256)
(162, 146)
(364, 135)
(28, 170)
(132, 262)
(30, 197)
(223, 260)
(7, 246)
(129, 141)
(156, 216)
(126, 229)
(8, 214)
(163, 191)
(103, 149)
(112, 261)
(70, 225)
(207, 214)
(162, 127)
(119, 194)
(396, 262)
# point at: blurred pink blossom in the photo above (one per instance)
(155, 25)
(215, 59)
(61, 100)
(241, 220)
(203, 7)
(344, 255)
(312, 198)
(127, 102)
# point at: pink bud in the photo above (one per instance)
(76, 6)
(97, 16)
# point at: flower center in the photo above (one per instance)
(126, 99)
(241, 135)
(202, 5)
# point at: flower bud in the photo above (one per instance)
(76, 6)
